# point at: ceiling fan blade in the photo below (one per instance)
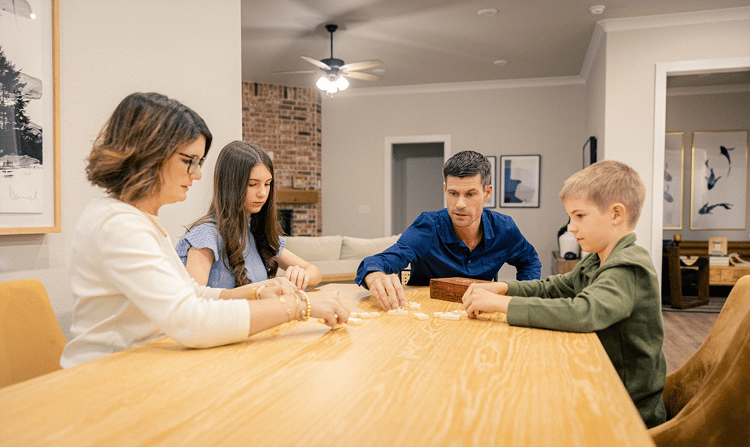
(361, 65)
(316, 62)
(363, 76)
(292, 72)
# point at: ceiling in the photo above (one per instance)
(433, 41)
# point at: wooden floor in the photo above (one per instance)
(683, 334)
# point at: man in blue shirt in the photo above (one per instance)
(463, 240)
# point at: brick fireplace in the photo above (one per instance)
(286, 121)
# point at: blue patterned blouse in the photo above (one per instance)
(206, 236)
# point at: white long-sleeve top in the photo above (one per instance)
(130, 287)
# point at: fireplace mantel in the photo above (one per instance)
(296, 196)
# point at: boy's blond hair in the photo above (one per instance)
(607, 182)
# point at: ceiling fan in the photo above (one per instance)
(336, 71)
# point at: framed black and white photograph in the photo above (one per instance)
(519, 181)
(491, 202)
(719, 180)
(673, 179)
(29, 117)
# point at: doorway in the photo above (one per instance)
(664, 70)
(413, 178)
(416, 183)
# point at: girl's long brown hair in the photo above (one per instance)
(227, 210)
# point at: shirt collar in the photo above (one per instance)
(446, 227)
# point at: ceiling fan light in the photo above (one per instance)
(323, 83)
(342, 83)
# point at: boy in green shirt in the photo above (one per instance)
(613, 291)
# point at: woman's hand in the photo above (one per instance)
(297, 276)
(274, 287)
(329, 308)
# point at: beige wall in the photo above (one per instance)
(632, 52)
(186, 49)
(524, 119)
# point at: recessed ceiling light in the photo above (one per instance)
(500, 62)
(489, 12)
(597, 9)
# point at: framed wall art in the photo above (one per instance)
(719, 180)
(29, 117)
(674, 155)
(491, 202)
(519, 181)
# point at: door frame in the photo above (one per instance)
(388, 168)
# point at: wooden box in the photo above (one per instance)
(450, 289)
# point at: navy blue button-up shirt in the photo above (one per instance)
(434, 251)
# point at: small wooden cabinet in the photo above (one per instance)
(561, 265)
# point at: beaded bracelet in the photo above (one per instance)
(305, 313)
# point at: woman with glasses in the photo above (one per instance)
(129, 285)
(239, 241)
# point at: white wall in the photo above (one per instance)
(633, 49)
(186, 49)
(546, 118)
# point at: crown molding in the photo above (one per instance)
(465, 86)
(660, 21)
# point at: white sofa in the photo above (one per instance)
(337, 256)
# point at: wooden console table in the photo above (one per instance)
(726, 276)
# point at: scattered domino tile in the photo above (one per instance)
(413, 305)
(420, 316)
(437, 314)
(398, 312)
(368, 315)
(354, 320)
(460, 312)
(449, 316)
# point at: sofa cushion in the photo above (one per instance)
(360, 248)
(319, 248)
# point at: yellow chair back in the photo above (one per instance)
(31, 340)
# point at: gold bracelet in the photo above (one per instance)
(305, 314)
(253, 293)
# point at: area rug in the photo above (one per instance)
(713, 307)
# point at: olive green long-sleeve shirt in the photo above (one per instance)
(620, 301)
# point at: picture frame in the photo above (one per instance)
(30, 159)
(674, 159)
(719, 180)
(298, 180)
(491, 202)
(717, 246)
(520, 181)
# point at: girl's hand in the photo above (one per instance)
(297, 276)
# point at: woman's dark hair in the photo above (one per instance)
(231, 176)
(144, 131)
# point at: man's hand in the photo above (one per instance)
(486, 297)
(387, 289)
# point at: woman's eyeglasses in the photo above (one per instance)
(194, 162)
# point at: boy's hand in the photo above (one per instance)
(479, 299)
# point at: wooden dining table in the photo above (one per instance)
(389, 381)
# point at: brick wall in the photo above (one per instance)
(286, 121)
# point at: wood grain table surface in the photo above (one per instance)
(391, 381)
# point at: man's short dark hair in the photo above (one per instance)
(468, 164)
